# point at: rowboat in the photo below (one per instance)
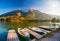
(35, 29)
(46, 28)
(24, 34)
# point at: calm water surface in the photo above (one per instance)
(4, 27)
(55, 37)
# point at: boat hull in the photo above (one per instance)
(27, 38)
(41, 33)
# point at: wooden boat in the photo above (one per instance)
(24, 34)
(46, 28)
(35, 29)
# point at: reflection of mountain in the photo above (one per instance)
(30, 14)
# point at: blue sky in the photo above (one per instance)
(46, 6)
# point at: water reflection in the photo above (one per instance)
(25, 24)
(3, 32)
(55, 37)
(4, 27)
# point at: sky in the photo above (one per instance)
(47, 6)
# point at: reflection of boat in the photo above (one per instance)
(23, 33)
(40, 31)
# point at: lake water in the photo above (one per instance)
(55, 37)
(4, 27)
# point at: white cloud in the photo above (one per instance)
(52, 7)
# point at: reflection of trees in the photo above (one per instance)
(16, 25)
(12, 25)
(21, 25)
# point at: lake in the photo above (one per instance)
(4, 27)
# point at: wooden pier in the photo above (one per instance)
(36, 35)
(12, 36)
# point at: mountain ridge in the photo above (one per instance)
(37, 14)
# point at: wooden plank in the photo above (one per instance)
(36, 35)
(12, 36)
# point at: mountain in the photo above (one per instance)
(40, 15)
(12, 13)
(58, 17)
(55, 16)
(31, 13)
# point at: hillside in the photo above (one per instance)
(40, 15)
(31, 13)
(11, 13)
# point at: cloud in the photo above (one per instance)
(49, 7)
(52, 7)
